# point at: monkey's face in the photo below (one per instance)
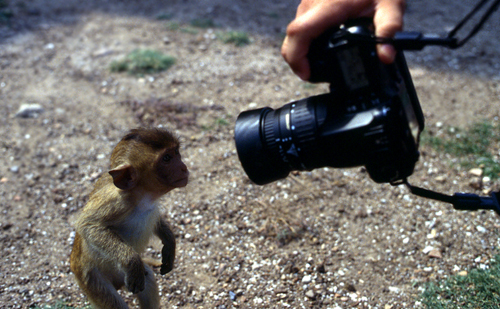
(171, 171)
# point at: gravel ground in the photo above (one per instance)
(330, 238)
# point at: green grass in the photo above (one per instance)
(173, 26)
(203, 23)
(143, 61)
(5, 13)
(221, 122)
(272, 15)
(474, 147)
(189, 30)
(237, 38)
(164, 16)
(480, 288)
(218, 123)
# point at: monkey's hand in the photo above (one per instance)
(135, 276)
(167, 259)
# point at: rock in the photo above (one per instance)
(29, 111)
(441, 179)
(481, 229)
(321, 268)
(487, 191)
(102, 53)
(310, 294)
(14, 169)
(476, 183)
(306, 279)
(427, 249)
(477, 172)
(435, 253)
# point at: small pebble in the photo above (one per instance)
(477, 172)
(310, 294)
(29, 111)
(435, 253)
(441, 179)
(306, 279)
(481, 229)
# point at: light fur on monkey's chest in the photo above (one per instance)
(140, 224)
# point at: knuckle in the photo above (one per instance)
(295, 28)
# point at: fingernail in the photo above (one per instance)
(386, 53)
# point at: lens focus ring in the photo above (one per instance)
(303, 125)
(268, 132)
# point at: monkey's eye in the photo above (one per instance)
(166, 158)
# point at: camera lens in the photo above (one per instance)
(256, 156)
(271, 143)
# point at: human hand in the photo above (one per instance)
(316, 16)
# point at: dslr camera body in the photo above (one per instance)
(371, 117)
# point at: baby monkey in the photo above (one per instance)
(115, 226)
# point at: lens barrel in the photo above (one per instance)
(254, 151)
(271, 143)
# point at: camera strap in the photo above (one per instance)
(460, 201)
(409, 40)
(478, 26)
(417, 41)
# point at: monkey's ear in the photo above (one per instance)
(124, 176)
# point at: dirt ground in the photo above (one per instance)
(330, 238)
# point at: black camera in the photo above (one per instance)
(371, 117)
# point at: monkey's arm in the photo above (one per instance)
(167, 237)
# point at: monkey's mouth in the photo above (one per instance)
(182, 181)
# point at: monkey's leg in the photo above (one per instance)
(149, 298)
(101, 292)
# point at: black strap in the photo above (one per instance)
(460, 201)
(416, 41)
(478, 26)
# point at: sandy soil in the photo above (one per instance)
(330, 238)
